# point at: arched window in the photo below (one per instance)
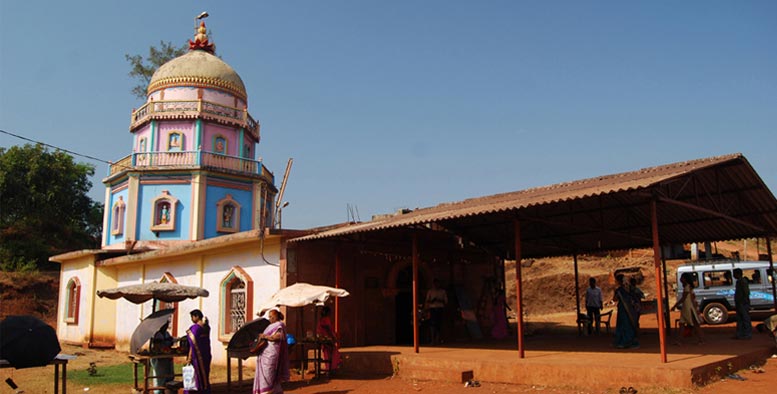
(236, 301)
(227, 215)
(175, 141)
(141, 157)
(117, 219)
(161, 305)
(164, 209)
(72, 300)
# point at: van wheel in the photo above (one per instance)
(715, 313)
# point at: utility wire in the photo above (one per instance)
(110, 163)
(56, 147)
(125, 167)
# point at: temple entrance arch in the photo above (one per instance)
(400, 282)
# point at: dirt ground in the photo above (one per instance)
(40, 381)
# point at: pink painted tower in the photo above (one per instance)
(192, 173)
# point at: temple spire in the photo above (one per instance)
(201, 40)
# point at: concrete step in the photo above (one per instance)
(450, 375)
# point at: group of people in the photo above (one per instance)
(628, 298)
(198, 338)
(272, 363)
(691, 318)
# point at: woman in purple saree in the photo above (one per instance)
(199, 352)
(272, 364)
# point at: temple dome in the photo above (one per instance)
(198, 68)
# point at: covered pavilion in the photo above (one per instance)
(710, 199)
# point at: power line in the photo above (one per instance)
(56, 147)
(110, 163)
(125, 167)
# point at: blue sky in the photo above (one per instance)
(402, 104)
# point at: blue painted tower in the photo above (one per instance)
(192, 173)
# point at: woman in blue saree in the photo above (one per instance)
(626, 323)
(199, 352)
(272, 364)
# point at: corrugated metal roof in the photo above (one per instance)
(741, 181)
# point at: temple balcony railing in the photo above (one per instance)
(192, 109)
(189, 160)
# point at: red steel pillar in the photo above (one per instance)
(337, 299)
(415, 292)
(774, 274)
(518, 294)
(657, 265)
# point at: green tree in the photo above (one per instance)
(143, 69)
(44, 207)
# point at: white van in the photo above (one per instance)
(714, 286)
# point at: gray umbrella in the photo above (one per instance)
(167, 292)
(148, 327)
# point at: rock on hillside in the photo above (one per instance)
(549, 284)
(30, 294)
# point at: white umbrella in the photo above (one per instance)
(301, 294)
(140, 293)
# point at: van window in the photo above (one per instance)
(718, 278)
(754, 275)
(695, 276)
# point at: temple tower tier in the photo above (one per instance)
(192, 173)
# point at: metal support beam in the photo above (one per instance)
(665, 298)
(415, 292)
(518, 293)
(711, 212)
(577, 294)
(588, 229)
(337, 299)
(657, 266)
(774, 274)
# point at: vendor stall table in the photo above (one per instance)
(314, 344)
(145, 361)
(240, 354)
(56, 362)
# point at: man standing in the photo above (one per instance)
(436, 298)
(593, 305)
(742, 304)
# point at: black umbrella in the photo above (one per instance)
(26, 341)
(246, 334)
(148, 327)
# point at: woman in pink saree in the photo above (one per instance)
(272, 364)
(199, 351)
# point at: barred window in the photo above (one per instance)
(236, 302)
(237, 305)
